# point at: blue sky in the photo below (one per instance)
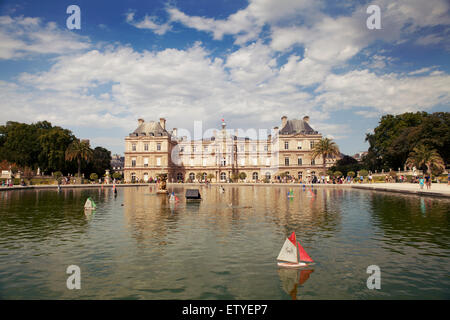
(249, 62)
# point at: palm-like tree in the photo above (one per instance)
(325, 148)
(421, 156)
(79, 150)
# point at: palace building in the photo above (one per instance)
(152, 150)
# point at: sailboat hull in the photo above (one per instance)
(291, 265)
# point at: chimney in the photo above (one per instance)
(174, 132)
(162, 122)
(140, 121)
(306, 119)
(283, 121)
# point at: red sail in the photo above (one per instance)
(293, 238)
(303, 256)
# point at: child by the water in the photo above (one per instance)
(421, 182)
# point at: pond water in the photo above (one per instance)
(137, 245)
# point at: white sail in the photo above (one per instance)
(288, 252)
(89, 204)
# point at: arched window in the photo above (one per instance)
(300, 175)
(223, 176)
(268, 175)
(192, 176)
(133, 177)
(179, 176)
(255, 176)
(204, 175)
(145, 177)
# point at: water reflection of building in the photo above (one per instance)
(148, 214)
(309, 211)
(152, 150)
(153, 217)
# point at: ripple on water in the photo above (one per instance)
(223, 247)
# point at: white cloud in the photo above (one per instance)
(22, 36)
(252, 65)
(430, 39)
(113, 86)
(390, 93)
(149, 22)
(246, 24)
(420, 71)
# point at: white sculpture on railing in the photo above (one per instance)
(107, 177)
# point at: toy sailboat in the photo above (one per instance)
(90, 204)
(173, 197)
(292, 254)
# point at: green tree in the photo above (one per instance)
(53, 144)
(117, 175)
(422, 156)
(79, 150)
(325, 148)
(337, 174)
(93, 176)
(395, 137)
(57, 175)
(364, 173)
(19, 143)
(346, 164)
(351, 174)
(242, 176)
(100, 161)
(199, 176)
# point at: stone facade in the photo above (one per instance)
(152, 150)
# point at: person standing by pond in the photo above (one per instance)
(428, 181)
(421, 182)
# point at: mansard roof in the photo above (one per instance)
(297, 126)
(151, 128)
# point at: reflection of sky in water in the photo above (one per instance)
(140, 245)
